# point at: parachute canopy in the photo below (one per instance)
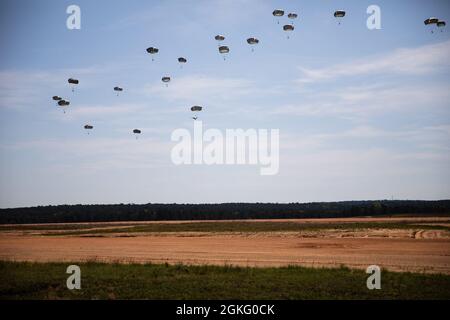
(165, 79)
(152, 50)
(224, 49)
(56, 98)
(292, 15)
(440, 24)
(278, 13)
(431, 20)
(118, 89)
(137, 131)
(196, 108)
(252, 41)
(182, 60)
(88, 127)
(73, 81)
(63, 103)
(219, 37)
(339, 13)
(288, 27)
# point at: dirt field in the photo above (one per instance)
(399, 249)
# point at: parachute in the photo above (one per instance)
(88, 127)
(166, 80)
(430, 22)
(118, 90)
(63, 103)
(288, 28)
(219, 38)
(339, 14)
(73, 82)
(136, 132)
(182, 61)
(57, 99)
(196, 109)
(440, 24)
(292, 16)
(278, 13)
(152, 51)
(252, 42)
(224, 50)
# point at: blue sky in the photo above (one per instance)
(363, 114)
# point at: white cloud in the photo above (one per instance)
(104, 110)
(197, 88)
(408, 61)
(98, 153)
(356, 102)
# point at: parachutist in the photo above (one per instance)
(339, 14)
(278, 13)
(224, 50)
(118, 90)
(136, 132)
(252, 42)
(152, 51)
(166, 80)
(73, 83)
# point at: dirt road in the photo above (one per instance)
(421, 251)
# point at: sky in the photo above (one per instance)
(362, 114)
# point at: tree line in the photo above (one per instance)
(220, 211)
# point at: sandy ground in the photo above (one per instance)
(398, 250)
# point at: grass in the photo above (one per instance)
(217, 226)
(242, 226)
(56, 226)
(23, 280)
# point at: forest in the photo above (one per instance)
(220, 211)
